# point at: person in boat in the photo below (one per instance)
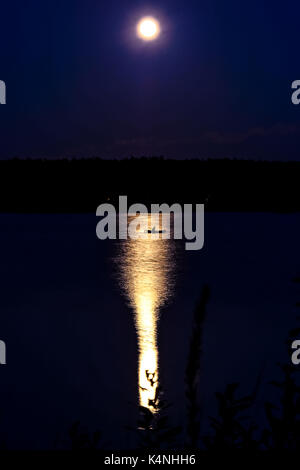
(153, 230)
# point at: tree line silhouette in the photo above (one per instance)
(81, 185)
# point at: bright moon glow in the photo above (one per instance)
(148, 29)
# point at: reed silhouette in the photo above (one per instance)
(79, 439)
(154, 428)
(231, 429)
(192, 373)
(234, 427)
(284, 420)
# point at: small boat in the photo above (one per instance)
(153, 230)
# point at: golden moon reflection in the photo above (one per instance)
(147, 279)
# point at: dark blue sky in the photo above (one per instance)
(216, 84)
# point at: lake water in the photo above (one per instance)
(92, 327)
(146, 269)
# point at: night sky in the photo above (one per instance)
(217, 83)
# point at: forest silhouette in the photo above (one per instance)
(81, 185)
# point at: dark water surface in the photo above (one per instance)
(70, 307)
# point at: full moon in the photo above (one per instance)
(148, 29)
